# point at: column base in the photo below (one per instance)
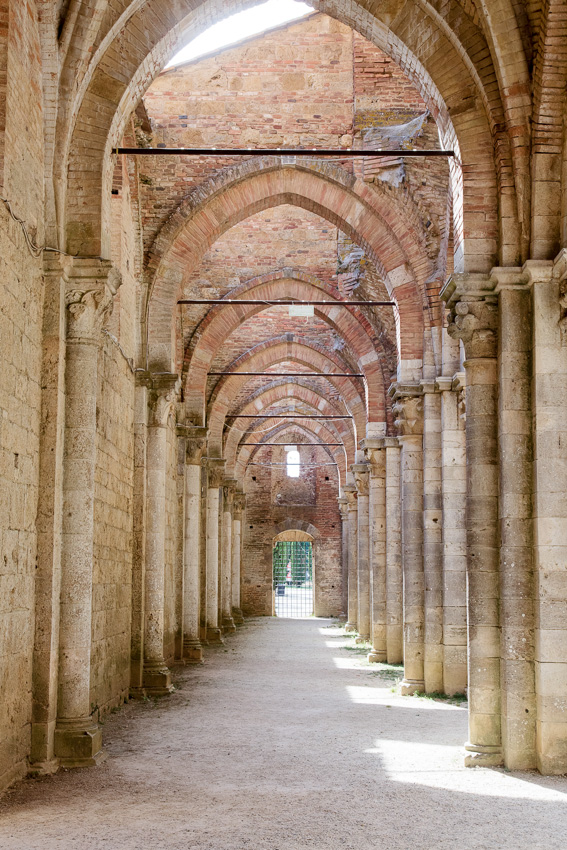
(238, 616)
(376, 656)
(409, 687)
(228, 626)
(192, 652)
(350, 627)
(78, 743)
(214, 636)
(44, 768)
(137, 693)
(362, 639)
(157, 681)
(481, 756)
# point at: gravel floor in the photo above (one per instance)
(286, 739)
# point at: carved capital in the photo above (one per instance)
(195, 444)
(162, 397)
(351, 496)
(215, 469)
(475, 323)
(239, 504)
(408, 411)
(90, 287)
(361, 476)
(343, 507)
(229, 486)
(376, 456)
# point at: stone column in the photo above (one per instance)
(238, 510)
(228, 626)
(549, 371)
(432, 539)
(361, 476)
(516, 538)
(454, 493)
(474, 319)
(408, 411)
(89, 298)
(350, 492)
(157, 677)
(394, 578)
(195, 443)
(343, 510)
(376, 454)
(216, 474)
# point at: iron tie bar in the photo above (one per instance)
(344, 154)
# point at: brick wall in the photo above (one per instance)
(272, 499)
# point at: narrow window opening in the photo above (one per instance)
(293, 464)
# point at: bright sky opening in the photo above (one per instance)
(245, 24)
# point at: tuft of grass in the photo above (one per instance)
(439, 696)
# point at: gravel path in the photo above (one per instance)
(286, 739)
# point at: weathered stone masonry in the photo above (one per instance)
(137, 513)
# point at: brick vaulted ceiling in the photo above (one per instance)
(227, 226)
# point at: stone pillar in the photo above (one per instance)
(361, 475)
(157, 677)
(549, 294)
(515, 502)
(394, 578)
(408, 411)
(343, 510)
(454, 493)
(237, 513)
(474, 319)
(89, 298)
(195, 443)
(350, 492)
(376, 454)
(432, 539)
(216, 474)
(228, 626)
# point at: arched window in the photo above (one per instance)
(293, 464)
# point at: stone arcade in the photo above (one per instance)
(143, 477)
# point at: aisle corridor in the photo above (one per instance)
(285, 739)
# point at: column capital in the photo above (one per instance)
(229, 486)
(239, 504)
(163, 389)
(195, 443)
(215, 469)
(351, 494)
(472, 303)
(361, 475)
(376, 456)
(391, 443)
(343, 507)
(407, 408)
(90, 287)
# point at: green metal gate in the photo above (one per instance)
(293, 578)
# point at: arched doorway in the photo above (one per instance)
(292, 573)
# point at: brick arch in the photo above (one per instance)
(297, 525)
(405, 267)
(442, 55)
(219, 329)
(293, 392)
(237, 462)
(228, 388)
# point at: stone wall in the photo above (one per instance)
(21, 300)
(112, 574)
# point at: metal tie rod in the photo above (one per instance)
(291, 374)
(315, 152)
(302, 445)
(267, 303)
(287, 416)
